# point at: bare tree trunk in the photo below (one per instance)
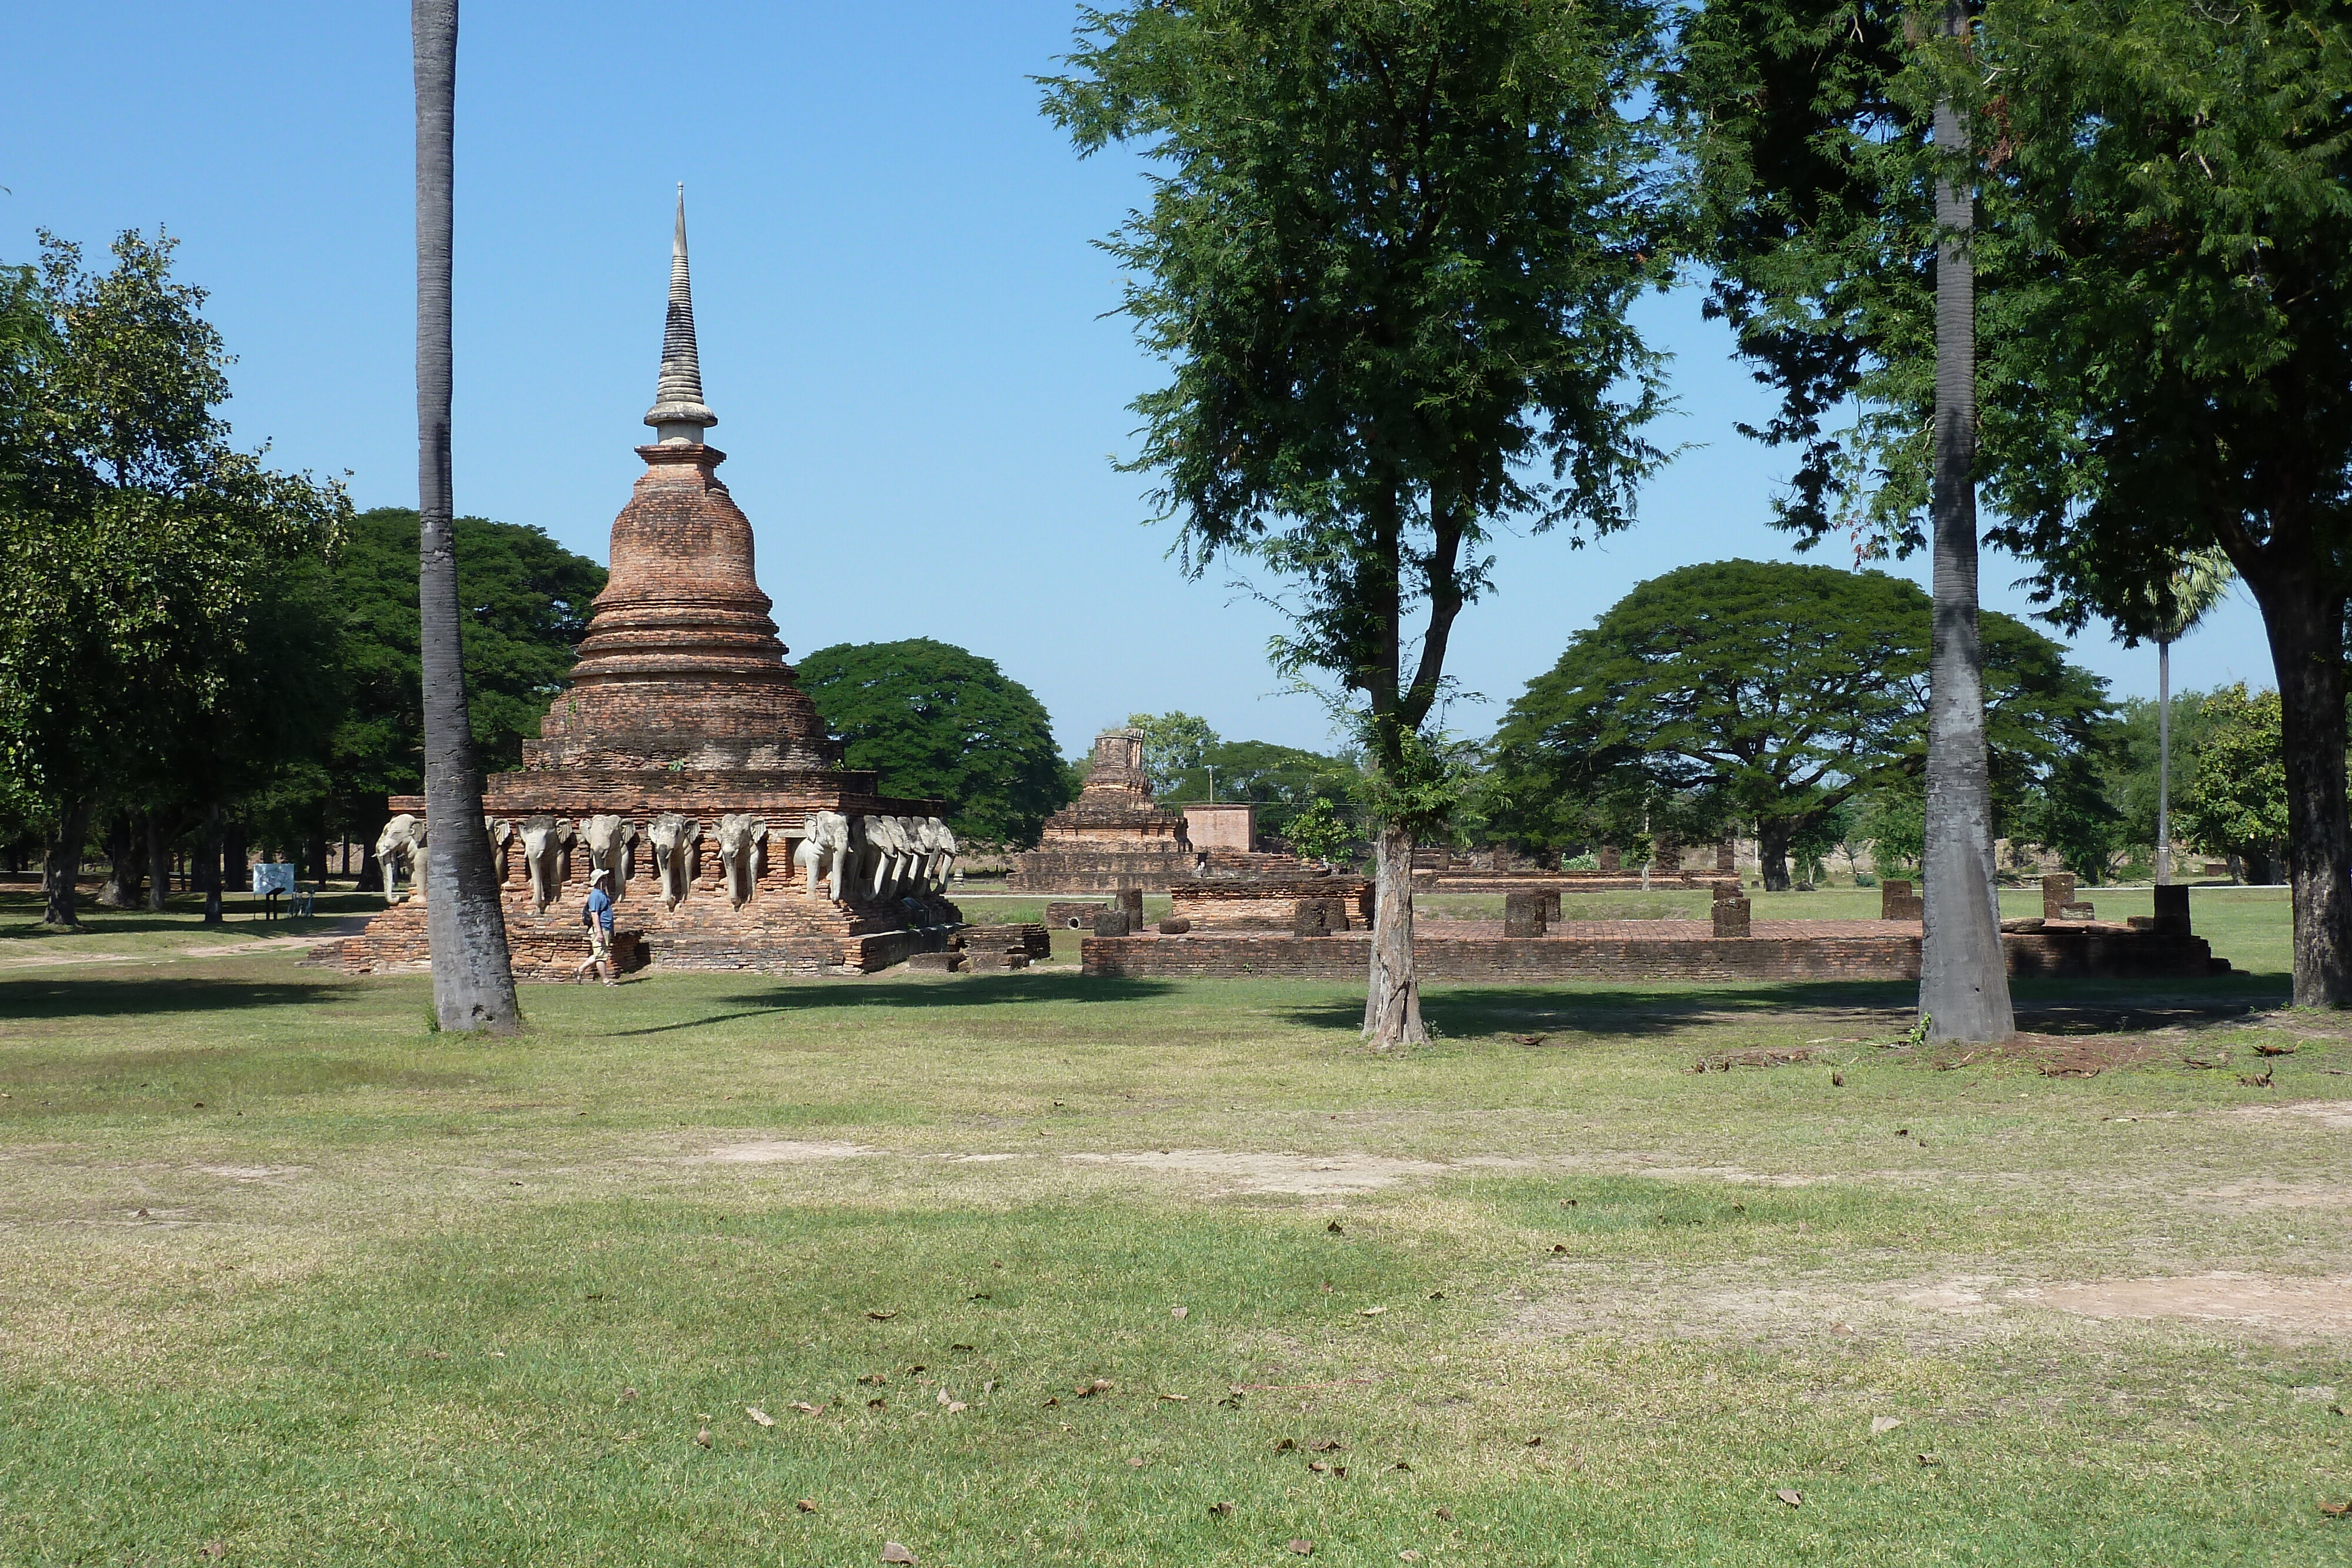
(1963, 974)
(209, 874)
(126, 858)
(2163, 761)
(473, 978)
(2306, 623)
(61, 865)
(159, 861)
(1772, 853)
(1392, 1000)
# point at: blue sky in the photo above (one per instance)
(902, 319)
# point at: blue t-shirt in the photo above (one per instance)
(600, 905)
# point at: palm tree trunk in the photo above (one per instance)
(2163, 762)
(1963, 974)
(473, 979)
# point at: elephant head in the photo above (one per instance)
(944, 848)
(609, 839)
(545, 840)
(828, 844)
(673, 838)
(743, 854)
(400, 850)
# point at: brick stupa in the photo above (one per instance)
(684, 756)
(1113, 837)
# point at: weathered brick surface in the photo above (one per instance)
(1066, 915)
(1112, 837)
(1777, 952)
(1269, 904)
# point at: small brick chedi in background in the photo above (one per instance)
(685, 759)
(1113, 838)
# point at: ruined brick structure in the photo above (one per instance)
(685, 758)
(1113, 837)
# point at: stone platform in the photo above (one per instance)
(1468, 952)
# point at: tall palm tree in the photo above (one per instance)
(1963, 975)
(2197, 584)
(473, 978)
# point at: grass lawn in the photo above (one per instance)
(1028, 1267)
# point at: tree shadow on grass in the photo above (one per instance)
(957, 991)
(46, 998)
(1878, 1007)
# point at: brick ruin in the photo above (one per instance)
(1113, 837)
(684, 759)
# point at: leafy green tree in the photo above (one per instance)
(526, 603)
(1389, 254)
(1770, 693)
(1283, 780)
(935, 721)
(2237, 804)
(1174, 746)
(1318, 832)
(143, 555)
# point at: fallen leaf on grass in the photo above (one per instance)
(1531, 1039)
(1408, 1555)
(1402, 1465)
(703, 1436)
(1371, 1312)
(1793, 1499)
(1179, 1398)
(1879, 1424)
(1318, 1467)
(894, 1553)
(1535, 1442)
(1283, 1445)
(627, 1395)
(958, 1347)
(956, 1405)
(220, 1548)
(762, 1416)
(884, 1318)
(1088, 1390)
(1844, 1330)
(1325, 1445)
(1180, 1313)
(1334, 1228)
(805, 1408)
(2266, 1049)
(1559, 1246)
(1051, 1401)
(1436, 1295)
(1304, 1547)
(1135, 1464)
(980, 1296)
(1837, 1080)
(2219, 1060)
(875, 1378)
(2257, 1080)
(874, 1404)
(1930, 1461)
(2335, 1510)
(806, 1505)
(1220, 1509)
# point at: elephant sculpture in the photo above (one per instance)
(742, 855)
(829, 844)
(610, 842)
(400, 850)
(544, 842)
(942, 845)
(887, 854)
(673, 839)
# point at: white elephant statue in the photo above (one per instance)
(742, 855)
(610, 841)
(886, 853)
(673, 839)
(400, 852)
(544, 842)
(944, 848)
(829, 845)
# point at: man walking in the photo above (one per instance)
(597, 916)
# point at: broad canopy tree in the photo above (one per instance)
(154, 571)
(1774, 693)
(937, 721)
(1389, 256)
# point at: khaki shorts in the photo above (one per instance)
(600, 944)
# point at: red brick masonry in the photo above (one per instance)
(1654, 950)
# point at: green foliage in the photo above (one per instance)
(1318, 832)
(2236, 803)
(1174, 745)
(159, 579)
(1772, 692)
(1893, 823)
(2131, 763)
(1389, 256)
(527, 602)
(938, 722)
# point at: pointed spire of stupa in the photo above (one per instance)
(679, 413)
